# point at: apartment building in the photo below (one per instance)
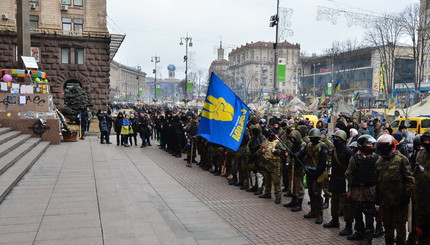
(70, 41)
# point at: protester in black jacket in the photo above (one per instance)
(117, 128)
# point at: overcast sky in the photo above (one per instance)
(154, 27)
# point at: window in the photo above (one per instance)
(34, 1)
(77, 2)
(67, 24)
(65, 55)
(78, 25)
(66, 2)
(34, 21)
(79, 56)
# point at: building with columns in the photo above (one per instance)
(70, 41)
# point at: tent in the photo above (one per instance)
(314, 105)
(296, 105)
(419, 109)
(343, 107)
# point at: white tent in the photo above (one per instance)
(419, 109)
(343, 107)
(296, 105)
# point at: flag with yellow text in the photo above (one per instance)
(224, 115)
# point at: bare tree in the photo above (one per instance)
(385, 35)
(413, 23)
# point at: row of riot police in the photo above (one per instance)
(374, 181)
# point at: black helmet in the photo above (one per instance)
(417, 142)
(366, 144)
(386, 145)
(425, 137)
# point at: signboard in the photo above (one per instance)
(282, 63)
(29, 62)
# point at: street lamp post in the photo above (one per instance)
(274, 21)
(188, 42)
(155, 59)
(138, 82)
(314, 88)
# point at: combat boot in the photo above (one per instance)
(278, 201)
(356, 236)
(258, 191)
(326, 203)
(291, 204)
(347, 231)
(379, 229)
(244, 187)
(298, 206)
(238, 183)
(319, 220)
(253, 189)
(309, 215)
(233, 181)
(265, 196)
(334, 223)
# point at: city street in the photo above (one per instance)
(92, 193)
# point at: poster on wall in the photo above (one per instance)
(34, 52)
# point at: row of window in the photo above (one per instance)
(68, 24)
(72, 56)
(78, 3)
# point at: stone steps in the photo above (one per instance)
(18, 153)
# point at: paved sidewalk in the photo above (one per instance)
(88, 193)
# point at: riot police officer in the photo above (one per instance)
(421, 194)
(337, 184)
(316, 153)
(394, 184)
(361, 176)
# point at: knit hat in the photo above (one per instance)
(398, 137)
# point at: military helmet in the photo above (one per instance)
(314, 133)
(341, 134)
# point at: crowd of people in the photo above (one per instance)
(363, 171)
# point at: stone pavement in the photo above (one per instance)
(88, 193)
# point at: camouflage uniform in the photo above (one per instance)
(316, 163)
(361, 177)
(421, 196)
(255, 158)
(191, 132)
(272, 169)
(242, 161)
(326, 191)
(297, 189)
(394, 184)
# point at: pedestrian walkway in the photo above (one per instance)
(89, 193)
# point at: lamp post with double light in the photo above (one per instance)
(155, 59)
(188, 42)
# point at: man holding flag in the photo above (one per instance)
(224, 115)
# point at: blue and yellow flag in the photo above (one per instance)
(224, 115)
(337, 87)
(323, 97)
(393, 100)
